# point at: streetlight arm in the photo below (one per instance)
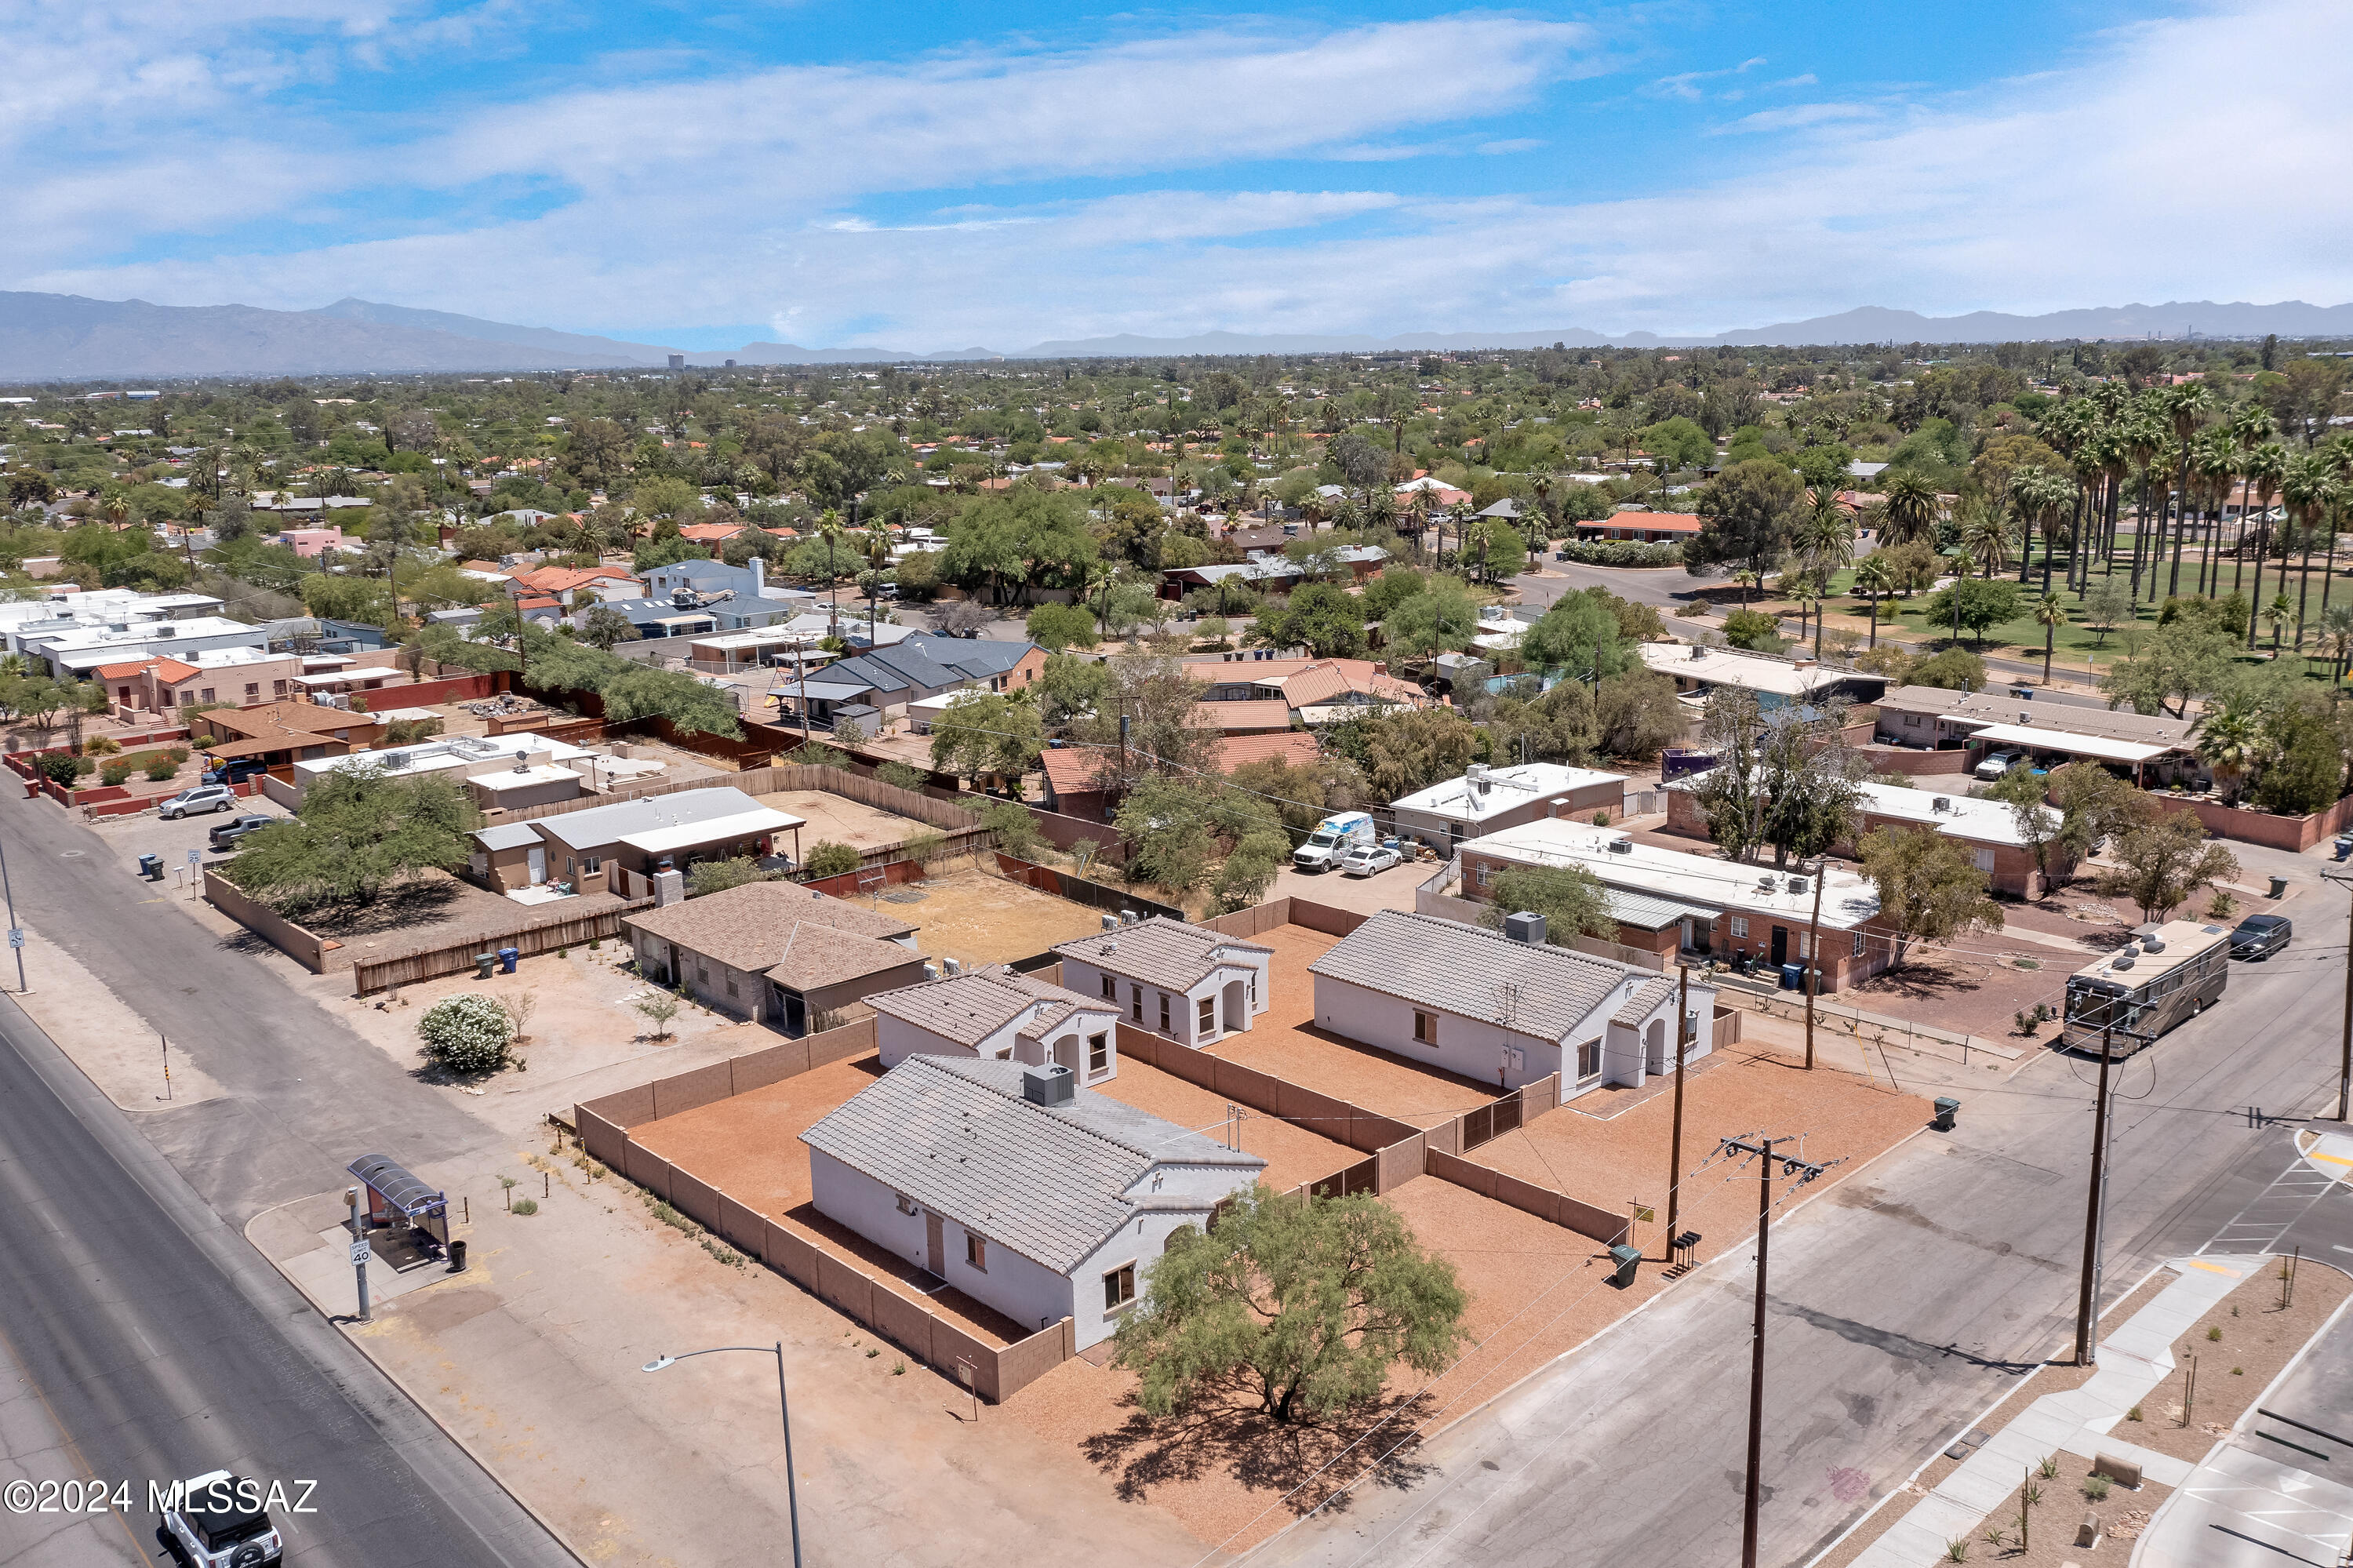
(785, 1408)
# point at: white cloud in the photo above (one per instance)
(788, 198)
(1798, 116)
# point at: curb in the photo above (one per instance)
(409, 1393)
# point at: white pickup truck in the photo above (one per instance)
(1334, 837)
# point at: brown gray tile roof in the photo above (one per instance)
(1053, 1184)
(1160, 951)
(2000, 707)
(1646, 997)
(1472, 973)
(753, 927)
(970, 1007)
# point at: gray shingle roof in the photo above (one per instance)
(1472, 973)
(1160, 951)
(970, 1007)
(756, 924)
(506, 835)
(958, 1138)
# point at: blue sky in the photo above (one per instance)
(939, 175)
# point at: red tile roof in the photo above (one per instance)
(1069, 770)
(1293, 747)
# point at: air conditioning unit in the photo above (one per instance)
(1800, 885)
(953, 966)
(1941, 803)
(1110, 922)
(1621, 846)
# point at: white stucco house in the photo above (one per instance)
(1481, 1005)
(1487, 800)
(993, 1014)
(1175, 979)
(1032, 1196)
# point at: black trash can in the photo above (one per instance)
(2279, 887)
(456, 1257)
(1948, 1109)
(151, 866)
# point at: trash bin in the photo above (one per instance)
(485, 964)
(1793, 977)
(2279, 887)
(456, 1257)
(1948, 1109)
(507, 957)
(1622, 1259)
(2344, 845)
(151, 866)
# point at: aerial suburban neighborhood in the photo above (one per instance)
(1234, 938)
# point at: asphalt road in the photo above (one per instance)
(1902, 1304)
(142, 1338)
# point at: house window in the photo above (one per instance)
(278, 688)
(1110, 989)
(976, 1252)
(1911, 721)
(1135, 1003)
(1425, 1027)
(701, 975)
(1858, 944)
(591, 865)
(1740, 925)
(1589, 1059)
(1164, 1013)
(1119, 1288)
(1985, 859)
(1098, 1053)
(1208, 1019)
(731, 985)
(1253, 990)
(207, 695)
(252, 691)
(906, 1204)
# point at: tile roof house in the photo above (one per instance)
(1645, 527)
(1481, 1006)
(775, 951)
(1038, 1198)
(279, 733)
(1299, 683)
(574, 586)
(1193, 985)
(996, 1014)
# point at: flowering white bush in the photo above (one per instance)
(466, 1034)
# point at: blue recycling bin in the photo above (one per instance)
(507, 957)
(1793, 977)
(151, 866)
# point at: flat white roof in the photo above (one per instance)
(323, 678)
(508, 778)
(1720, 667)
(1848, 900)
(1488, 792)
(741, 826)
(1960, 816)
(2098, 746)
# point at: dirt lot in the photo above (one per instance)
(750, 1148)
(1294, 1154)
(1286, 1043)
(842, 820)
(977, 917)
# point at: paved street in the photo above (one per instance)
(1907, 1300)
(140, 1337)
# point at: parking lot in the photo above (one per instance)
(145, 833)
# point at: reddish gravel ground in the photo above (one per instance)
(1294, 1154)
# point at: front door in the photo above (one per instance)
(1780, 946)
(934, 1246)
(538, 864)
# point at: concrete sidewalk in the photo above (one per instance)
(2132, 1361)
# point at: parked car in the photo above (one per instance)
(217, 1520)
(2259, 936)
(203, 798)
(226, 836)
(1367, 860)
(1995, 766)
(237, 770)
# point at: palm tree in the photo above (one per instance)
(2265, 468)
(2308, 489)
(1985, 534)
(1911, 509)
(2279, 612)
(1746, 581)
(1808, 601)
(2230, 742)
(2337, 629)
(1826, 536)
(2142, 437)
(1960, 564)
(2051, 614)
(2216, 466)
(1874, 578)
(2186, 407)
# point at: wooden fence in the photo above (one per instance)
(1079, 890)
(995, 1372)
(545, 935)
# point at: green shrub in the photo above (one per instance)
(719, 875)
(1016, 828)
(468, 1032)
(60, 767)
(114, 775)
(525, 1206)
(101, 746)
(176, 753)
(162, 767)
(2096, 1487)
(826, 858)
(902, 776)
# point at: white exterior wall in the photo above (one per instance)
(897, 1040)
(1183, 1007)
(1469, 1046)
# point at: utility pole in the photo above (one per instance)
(1675, 1139)
(2095, 1203)
(1814, 955)
(16, 932)
(1804, 1172)
(2345, 1047)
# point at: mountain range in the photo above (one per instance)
(66, 337)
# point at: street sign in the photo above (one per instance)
(15, 935)
(360, 1253)
(195, 855)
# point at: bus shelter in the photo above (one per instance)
(395, 1196)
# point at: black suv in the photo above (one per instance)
(2259, 936)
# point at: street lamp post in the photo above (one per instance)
(784, 1402)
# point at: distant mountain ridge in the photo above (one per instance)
(66, 337)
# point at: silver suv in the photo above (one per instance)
(203, 798)
(217, 1521)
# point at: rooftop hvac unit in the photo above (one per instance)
(1524, 926)
(1129, 917)
(1799, 885)
(1110, 922)
(953, 966)
(1621, 846)
(1941, 803)
(1046, 1086)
